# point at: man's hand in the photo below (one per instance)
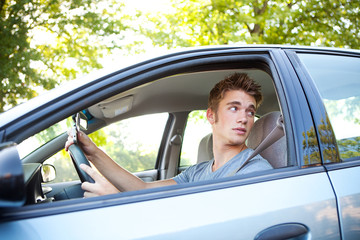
(89, 148)
(101, 185)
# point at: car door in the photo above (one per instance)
(336, 76)
(296, 201)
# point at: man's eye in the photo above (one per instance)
(251, 113)
(233, 108)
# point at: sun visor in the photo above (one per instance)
(117, 107)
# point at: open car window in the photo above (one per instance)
(133, 143)
(130, 143)
(197, 127)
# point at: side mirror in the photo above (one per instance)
(48, 173)
(12, 186)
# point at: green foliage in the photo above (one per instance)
(210, 22)
(349, 148)
(128, 154)
(184, 162)
(197, 117)
(99, 137)
(74, 35)
(311, 148)
(326, 135)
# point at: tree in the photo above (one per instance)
(125, 149)
(349, 148)
(208, 22)
(326, 136)
(74, 35)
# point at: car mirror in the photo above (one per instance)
(48, 173)
(12, 186)
(81, 121)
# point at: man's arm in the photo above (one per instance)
(122, 179)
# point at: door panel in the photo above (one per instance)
(239, 212)
(346, 184)
(148, 176)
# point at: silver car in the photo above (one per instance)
(149, 118)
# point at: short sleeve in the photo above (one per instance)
(256, 164)
(183, 177)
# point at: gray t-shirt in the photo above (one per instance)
(203, 171)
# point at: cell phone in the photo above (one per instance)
(76, 128)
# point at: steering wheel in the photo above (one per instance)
(78, 157)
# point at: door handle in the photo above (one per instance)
(294, 231)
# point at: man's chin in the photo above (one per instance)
(237, 143)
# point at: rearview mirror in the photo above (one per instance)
(81, 121)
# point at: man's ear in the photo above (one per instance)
(210, 116)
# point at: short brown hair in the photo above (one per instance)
(236, 81)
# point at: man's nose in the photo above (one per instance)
(242, 117)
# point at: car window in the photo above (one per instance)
(65, 170)
(39, 139)
(133, 143)
(197, 127)
(338, 81)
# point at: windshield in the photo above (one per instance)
(39, 139)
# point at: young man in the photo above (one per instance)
(231, 111)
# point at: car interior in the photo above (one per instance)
(177, 95)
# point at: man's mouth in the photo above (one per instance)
(240, 131)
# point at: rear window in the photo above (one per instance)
(338, 81)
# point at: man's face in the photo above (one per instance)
(234, 118)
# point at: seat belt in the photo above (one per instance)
(175, 144)
(274, 135)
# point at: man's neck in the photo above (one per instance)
(225, 153)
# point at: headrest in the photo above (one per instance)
(205, 151)
(275, 153)
(262, 127)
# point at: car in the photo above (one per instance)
(149, 117)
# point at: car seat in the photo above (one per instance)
(275, 153)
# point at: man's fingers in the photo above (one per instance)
(89, 189)
(82, 137)
(101, 185)
(69, 141)
(91, 172)
(89, 194)
(86, 186)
